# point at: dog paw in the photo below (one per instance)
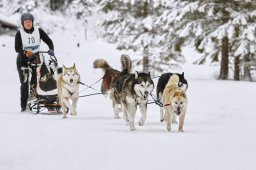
(74, 113)
(132, 129)
(117, 117)
(168, 129)
(181, 130)
(64, 117)
(141, 123)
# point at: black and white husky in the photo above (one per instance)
(131, 90)
(161, 84)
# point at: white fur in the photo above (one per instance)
(175, 103)
(130, 108)
(143, 87)
(68, 89)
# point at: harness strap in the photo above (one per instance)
(81, 83)
(168, 104)
(68, 91)
(90, 86)
(156, 101)
(90, 94)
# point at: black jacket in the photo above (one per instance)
(43, 36)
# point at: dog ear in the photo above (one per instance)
(74, 65)
(182, 74)
(149, 73)
(136, 74)
(64, 67)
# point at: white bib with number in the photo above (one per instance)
(31, 42)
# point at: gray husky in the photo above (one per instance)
(131, 90)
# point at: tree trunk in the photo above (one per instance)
(237, 68)
(145, 50)
(145, 60)
(224, 59)
(56, 4)
(247, 73)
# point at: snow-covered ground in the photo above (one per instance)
(219, 127)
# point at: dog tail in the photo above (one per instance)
(101, 63)
(126, 64)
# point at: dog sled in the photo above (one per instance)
(43, 96)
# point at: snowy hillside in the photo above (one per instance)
(219, 126)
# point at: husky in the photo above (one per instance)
(161, 84)
(109, 75)
(68, 89)
(108, 78)
(131, 90)
(175, 102)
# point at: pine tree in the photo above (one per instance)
(80, 9)
(206, 23)
(17, 6)
(56, 4)
(130, 24)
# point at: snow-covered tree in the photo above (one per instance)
(17, 6)
(81, 9)
(131, 24)
(216, 28)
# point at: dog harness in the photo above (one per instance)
(168, 104)
(31, 42)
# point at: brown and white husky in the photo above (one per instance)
(68, 89)
(175, 102)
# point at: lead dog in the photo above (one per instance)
(68, 89)
(161, 84)
(175, 102)
(131, 90)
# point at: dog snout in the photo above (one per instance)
(71, 80)
(178, 110)
(146, 93)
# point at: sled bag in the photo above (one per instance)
(47, 81)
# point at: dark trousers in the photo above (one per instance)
(23, 75)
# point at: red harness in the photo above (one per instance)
(167, 104)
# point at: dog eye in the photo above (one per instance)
(181, 102)
(176, 102)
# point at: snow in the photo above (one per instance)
(219, 125)
(11, 19)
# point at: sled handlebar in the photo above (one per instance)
(42, 51)
(52, 56)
